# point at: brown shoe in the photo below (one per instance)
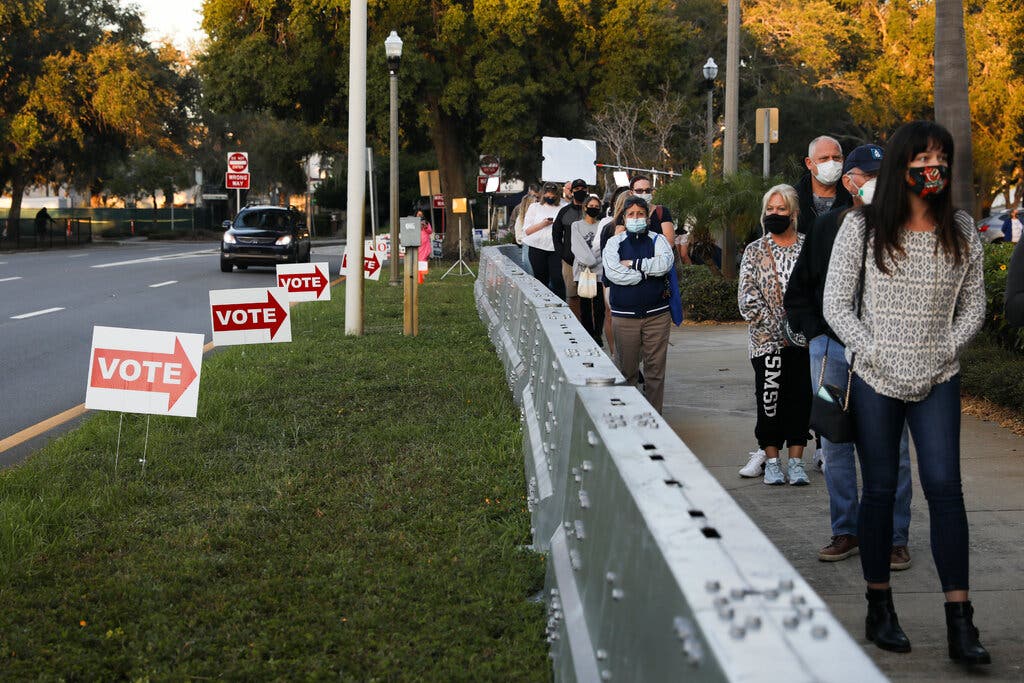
(840, 548)
(899, 558)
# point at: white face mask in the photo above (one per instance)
(829, 172)
(867, 191)
(646, 196)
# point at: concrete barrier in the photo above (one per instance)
(654, 573)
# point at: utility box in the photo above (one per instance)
(409, 233)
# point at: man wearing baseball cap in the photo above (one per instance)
(560, 232)
(803, 302)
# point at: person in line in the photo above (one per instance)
(782, 381)
(560, 230)
(1012, 227)
(923, 299)
(661, 218)
(426, 248)
(1014, 296)
(819, 188)
(545, 262)
(586, 255)
(531, 197)
(606, 227)
(803, 303)
(637, 261)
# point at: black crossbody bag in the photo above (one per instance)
(831, 417)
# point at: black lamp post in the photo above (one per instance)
(393, 50)
(710, 71)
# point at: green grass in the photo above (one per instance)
(344, 508)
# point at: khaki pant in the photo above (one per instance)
(570, 284)
(646, 339)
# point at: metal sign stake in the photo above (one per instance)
(117, 450)
(145, 447)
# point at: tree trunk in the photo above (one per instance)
(18, 184)
(444, 134)
(952, 104)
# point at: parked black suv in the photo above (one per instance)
(264, 236)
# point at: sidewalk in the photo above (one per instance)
(709, 402)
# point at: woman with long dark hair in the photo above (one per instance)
(905, 293)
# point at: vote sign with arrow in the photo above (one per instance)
(305, 281)
(144, 371)
(258, 315)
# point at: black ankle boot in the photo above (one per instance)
(962, 636)
(882, 626)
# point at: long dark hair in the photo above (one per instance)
(889, 210)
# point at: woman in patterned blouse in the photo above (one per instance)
(920, 261)
(782, 378)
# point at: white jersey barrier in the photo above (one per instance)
(654, 572)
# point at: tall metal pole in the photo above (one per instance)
(730, 160)
(766, 166)
(393, 212)
(711, 121)
(356, 169)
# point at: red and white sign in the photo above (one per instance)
(481, 184)
(489, 165)
(305, 281)
(438, 201)
(371, 263)
(250, 316)
(236, 181)
(144, 371)
(238, 162)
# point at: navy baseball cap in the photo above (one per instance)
(867, 158)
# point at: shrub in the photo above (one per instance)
(997, 260)
(707, 296)
(989, 370)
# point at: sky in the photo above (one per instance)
(179, 19)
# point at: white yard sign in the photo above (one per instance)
(144, 371)
(305, 281)
(250, 316)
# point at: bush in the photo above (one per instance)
(707, 296)
(997, 260)
(989, 370)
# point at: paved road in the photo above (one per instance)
(709, 401)
(51, 299)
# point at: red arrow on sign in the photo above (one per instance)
(256, 316)
(160, 373)
(304, 283)
(371, 264)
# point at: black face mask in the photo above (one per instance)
(593, 211)
(579, 195)
(550, 200)
(928, 181)
(776, 223)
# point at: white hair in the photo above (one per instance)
(789, 196)
(815, 141)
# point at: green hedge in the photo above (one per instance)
(990, 370)
(707, 296)
(997, 260)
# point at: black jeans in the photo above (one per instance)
(592, 314)
(935, 425)
(782, 388)
(547, 267)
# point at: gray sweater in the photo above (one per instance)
(917, 319)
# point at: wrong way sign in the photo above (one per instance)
(257, 315)
(305, 281)
(144, 371)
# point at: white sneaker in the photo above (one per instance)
(773, 473)
(754, 466)
(797, 475)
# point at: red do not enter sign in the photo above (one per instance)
(238, 162)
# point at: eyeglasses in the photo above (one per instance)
(642, 189)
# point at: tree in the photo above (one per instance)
(952, 100)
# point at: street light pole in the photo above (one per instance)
(355, 206)
(710, 74)
(730, 157)
(393, 50)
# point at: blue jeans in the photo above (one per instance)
(935, 425)
(840, 465)
(526, 260)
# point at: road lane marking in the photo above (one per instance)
(77, 255)
(152, 259)
(9, 279)
(35, 313)
(164, 284)
(57, 420)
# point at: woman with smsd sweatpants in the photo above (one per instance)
(922, 300)
(636, 262)
(782, 377)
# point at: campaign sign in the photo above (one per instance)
(144, 371)
(371, 264)
(250, 316)
(305, 281)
